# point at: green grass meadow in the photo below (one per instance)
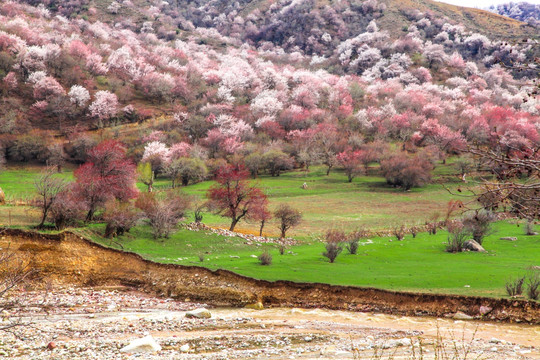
(418, 265)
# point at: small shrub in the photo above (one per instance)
(479, 224)
(414, 231)
(399, 233)
(515, 287)
(457, 235)
(352, 245)
(432, 224)
(529, 228)
(334, 240)
(163, 213)
(265, 258)
(282, 248)
(533, 285)
(120, 217)
(198, 214)
(353, 240)
(332, 251)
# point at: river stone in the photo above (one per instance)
(509, 238)
(200, 313)
(146, 344)
(462, 316)
(472, 245)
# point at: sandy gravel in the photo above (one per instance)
(84, 323)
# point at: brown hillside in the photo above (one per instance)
(482, 21)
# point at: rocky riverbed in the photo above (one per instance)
(92, 323)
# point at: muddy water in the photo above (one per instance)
(527, 335)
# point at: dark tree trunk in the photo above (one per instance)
(261, 228)
(233, 224)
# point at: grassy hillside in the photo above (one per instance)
(419, 264)
(482, 21)
(328, 201)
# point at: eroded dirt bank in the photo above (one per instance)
(70, 259)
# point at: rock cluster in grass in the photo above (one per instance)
(250, 239)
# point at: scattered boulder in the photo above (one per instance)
(146, 344)
(485, 310)
(184, 348)
(51, 345)
(509, 238)
(472, 245)
(200, 313)
(256, 306)
(462, 316)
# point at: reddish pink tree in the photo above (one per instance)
(351, 161)
(233, 196)
(261, 213)
(107, 175)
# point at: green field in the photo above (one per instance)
(419, 265)
(329, 201)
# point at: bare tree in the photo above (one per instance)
(513, 182)
(287, 217)
(48, 186)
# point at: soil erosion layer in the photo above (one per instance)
(70, 259)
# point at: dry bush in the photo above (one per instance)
(120, 217)
(479, 224)
(265, 258)
(457, 235)
(533, 285)
(399, 232)
(353, 240)
(334, 240)
(163, 213)
(515, 287)
(529, 228)
(66, 209)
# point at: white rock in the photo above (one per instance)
(200, 313)
(462, 316)
(494, 349)
(145, 344)
(184, 348)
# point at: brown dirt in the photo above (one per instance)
(70, 259)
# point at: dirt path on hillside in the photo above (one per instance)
(70, 259)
